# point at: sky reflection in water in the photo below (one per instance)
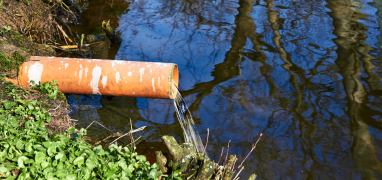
(305, 73)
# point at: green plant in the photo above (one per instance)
(39, 156)
(24, 49)
(7, 63)
(174, 174)
(6, 28)
(26, 2)
(50, 88)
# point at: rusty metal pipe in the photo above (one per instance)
(103, 77)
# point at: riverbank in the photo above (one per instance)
(38, 139)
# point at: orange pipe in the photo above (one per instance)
(102, 77)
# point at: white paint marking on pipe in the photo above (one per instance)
(96, 76)
(86, 72)
(59, 68)
(151, 71)
(35, 72)
(80, 75)
(112, 63)
(119, 61)
(141, 72)
(104, 81)
(153, 84)
(129, 73)
(62, 62)
(117, 77)
(162, 65)
(26, 69)
(75, 73)
(158, 81)
(66, 65)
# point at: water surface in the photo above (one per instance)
(305, 73)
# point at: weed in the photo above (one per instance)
(6, 29)
(26, 2)
(50, 88)
(29, 148)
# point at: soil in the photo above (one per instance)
(25, 28)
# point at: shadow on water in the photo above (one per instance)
(305, 73)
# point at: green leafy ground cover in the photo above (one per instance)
(27, 151)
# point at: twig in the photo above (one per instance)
(208, 134)
(82, 42)
(54, 108)
(253, 147)
(134, 141)
(227, 153)
(99, 124)
(238, 173)
(233, 167)
(130, 132)
(73, 120)
(63, 33)
(221, 155)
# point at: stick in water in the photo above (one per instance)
(208, 134)
(226, 156)
(221, 155)
(253, 147)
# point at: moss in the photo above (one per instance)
(24, 49)
(97, 31)
(19, 38)
(61, 96)
(4, 42)
(7, 63)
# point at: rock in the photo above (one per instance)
(111, 33)
(92, 38)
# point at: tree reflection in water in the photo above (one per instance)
(305, 73)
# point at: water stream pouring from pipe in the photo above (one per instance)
(187, 123)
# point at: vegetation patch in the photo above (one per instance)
(29, 149)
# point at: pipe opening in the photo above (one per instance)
(174, 82)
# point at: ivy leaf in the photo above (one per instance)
(28, 147)
(59, 155)
(79, 161)
(8, 105)
(40, 157)
(141, 157)
(21, 161)
(51, 150)
(91, 163)
(71, 130)
(48, 118)
(3, 170)
(44, 164)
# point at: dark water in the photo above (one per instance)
(306, 73)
